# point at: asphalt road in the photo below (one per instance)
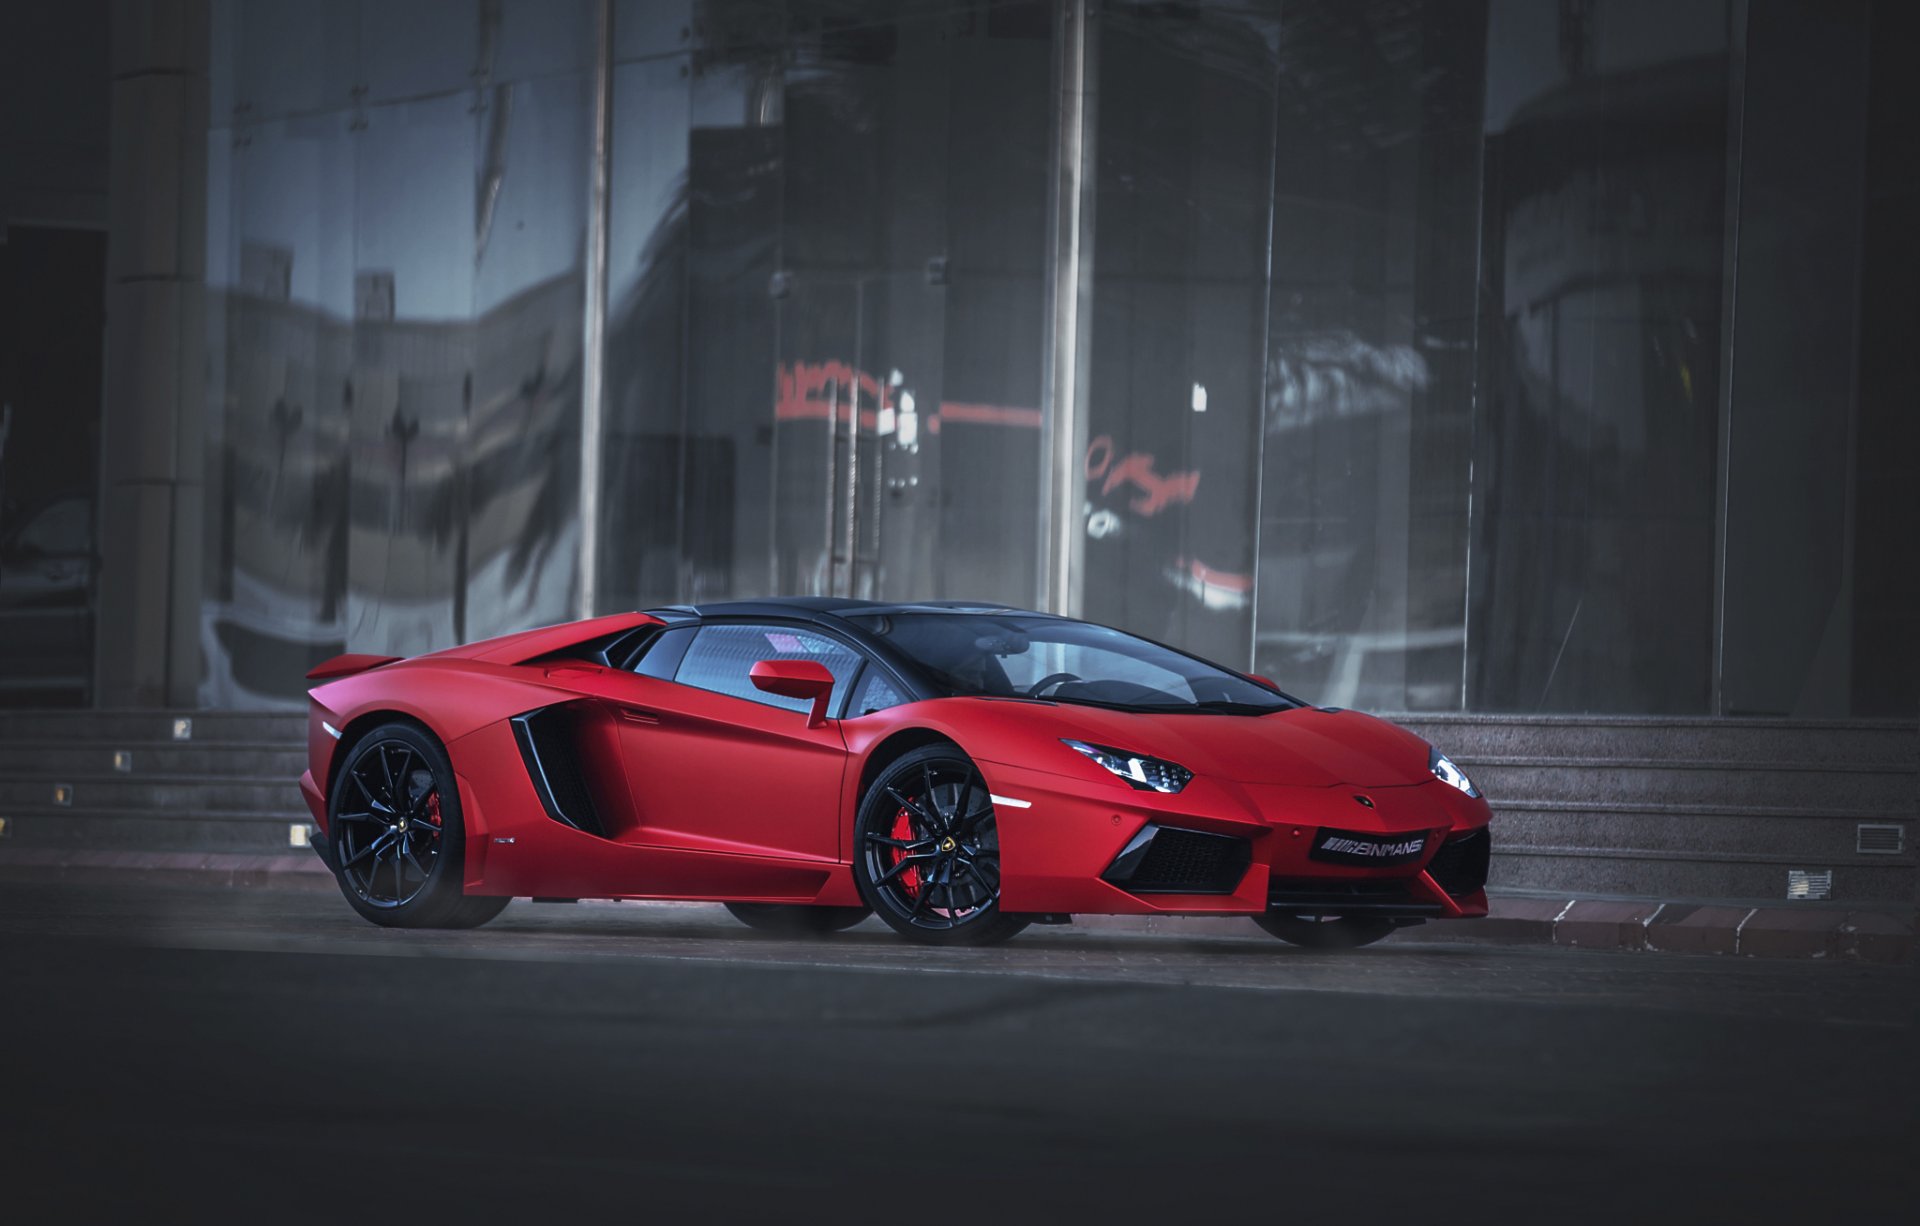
(264, 1055)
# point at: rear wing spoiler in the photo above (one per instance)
(347, 665)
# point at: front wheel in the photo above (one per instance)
(927, 852)
(1326, 931)
(395, 836)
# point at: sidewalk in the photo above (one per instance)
(1775, 930)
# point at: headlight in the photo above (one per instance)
(1141, 772)
(1446, 772)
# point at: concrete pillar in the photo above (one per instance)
(1793, 341)
(1067, 358)
(152, 433)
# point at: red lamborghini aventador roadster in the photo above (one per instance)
(961, 770)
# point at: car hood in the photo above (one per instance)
(1302, 747)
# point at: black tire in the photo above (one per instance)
(396, 840)
(1326, 932)
(795, 920)
(926, 851)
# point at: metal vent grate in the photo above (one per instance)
(1160, 860)
(1806, 886)
(1880, 838)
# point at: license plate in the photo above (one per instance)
(1377, 850)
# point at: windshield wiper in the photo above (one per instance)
(1226, 706)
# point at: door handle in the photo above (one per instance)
(635, 715)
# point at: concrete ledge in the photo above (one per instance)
(1783, 931)
(1689, 928)
(1780, 931)
(1605, 924)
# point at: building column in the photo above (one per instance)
(152, 432)
(1066, 359)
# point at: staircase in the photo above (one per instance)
(1692, 808)
(1654, 807)
(131, 781)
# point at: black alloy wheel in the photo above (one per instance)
(395, 834)
(927, 854)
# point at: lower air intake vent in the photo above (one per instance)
(1160, 860)
(1880, 838)
(1460, 866)
(549, 746)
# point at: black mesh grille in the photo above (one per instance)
(1165, 861)
(547, 742)
(1460, 866)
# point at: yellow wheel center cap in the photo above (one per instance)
(949, 844)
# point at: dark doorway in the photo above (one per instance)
(52, 284)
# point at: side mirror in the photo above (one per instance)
(1266, 681)
(808, 680)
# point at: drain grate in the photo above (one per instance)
(1880, 838)
(1804, 885)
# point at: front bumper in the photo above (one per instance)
(1244, 849)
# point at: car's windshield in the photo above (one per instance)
(1017, 656)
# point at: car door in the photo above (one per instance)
(718, 765)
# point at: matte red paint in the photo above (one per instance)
(347, 665)
(712, 797)
(807, 680)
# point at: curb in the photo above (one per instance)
(1882, 936)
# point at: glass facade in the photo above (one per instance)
(1486, 355)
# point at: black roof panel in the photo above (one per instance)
(811, 607)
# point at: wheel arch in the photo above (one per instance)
(356, 730)
(897, 745)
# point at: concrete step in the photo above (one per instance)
(146, 831)
(1813, 786)
(1646, 873)
(210, 794)
(147, 759)
(1805, 840)
(1887, 743)
(120, 726)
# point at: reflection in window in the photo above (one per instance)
(877, 692)
(721, 657)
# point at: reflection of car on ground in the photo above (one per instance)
(46, 603)
(963, 771)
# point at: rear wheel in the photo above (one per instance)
(791, 920)
(396, 840)
(1326, 931)
(927, 851)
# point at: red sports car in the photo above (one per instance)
(961, 770)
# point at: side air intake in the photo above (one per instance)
(549, 747)
(1460, 866)
(1162, 860)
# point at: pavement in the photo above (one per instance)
(263, 1054)
(1880, 934)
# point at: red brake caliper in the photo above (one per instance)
(433, 813)
(903, 830)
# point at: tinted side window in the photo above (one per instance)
(662, 658)
(720, 656)
(876, 692)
